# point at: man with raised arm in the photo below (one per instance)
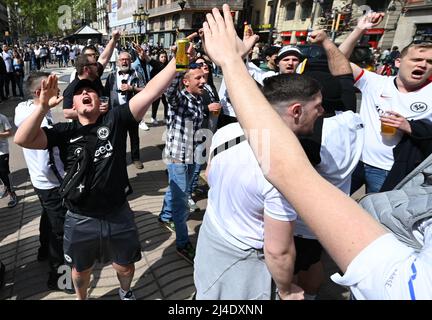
(368, 255)
(402, 102)
(99, 224)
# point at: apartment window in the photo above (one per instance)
(290, 11)
(378, 5)
(151, 4)
(176, 21)
(198, 20)
(257, 17)
(306, 9)
(162, 23)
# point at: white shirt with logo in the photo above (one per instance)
(379, 94)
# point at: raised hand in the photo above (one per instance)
(370, 20)
(116, 35)
(49, 92)
(318, 36)
(248, 42)
(220, 38)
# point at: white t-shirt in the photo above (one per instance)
(4, 126)
(41, 175)
(342, 141)
(378, 94)
(388, 269)
(239, 194)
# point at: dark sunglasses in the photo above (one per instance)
(92, 64)
(195, 65)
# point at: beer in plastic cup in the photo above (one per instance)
(386, 129)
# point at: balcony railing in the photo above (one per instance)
(235, 5)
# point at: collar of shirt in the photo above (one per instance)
(192, 98)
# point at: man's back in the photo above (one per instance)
(239, 193)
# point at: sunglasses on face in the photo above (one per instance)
(92, 64)
(196, 65)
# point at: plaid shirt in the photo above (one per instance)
(185, 117)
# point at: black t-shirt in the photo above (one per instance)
(68, 92)
(110, 184)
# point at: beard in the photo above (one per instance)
(124, 68)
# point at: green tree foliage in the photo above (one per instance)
(39, 18)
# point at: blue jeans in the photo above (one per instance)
(195, 177)
(175, 202)
(371, 176)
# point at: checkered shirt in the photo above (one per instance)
(185, 117)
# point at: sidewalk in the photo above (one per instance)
(160, 274)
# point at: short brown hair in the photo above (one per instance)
(82, 61)
(416, 45)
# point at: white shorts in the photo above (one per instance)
(388, 269)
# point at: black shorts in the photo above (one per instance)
(113, 238)
(4, 163)
(308, 252)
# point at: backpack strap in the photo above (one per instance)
(226, 145)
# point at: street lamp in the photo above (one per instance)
(392, 5)
(182, 4)
(140, 18)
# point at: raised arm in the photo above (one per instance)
(364, 23)
(29, 134)
(109, 49)
(337, 62)
(154, 89)
(341, 225)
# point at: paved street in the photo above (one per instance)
(161, 274)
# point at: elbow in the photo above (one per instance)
(19, 140)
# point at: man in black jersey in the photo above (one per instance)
(99, 226)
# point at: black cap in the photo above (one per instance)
(85, 83)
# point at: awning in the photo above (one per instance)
(286, 34)
(301, 33)
(375, 31)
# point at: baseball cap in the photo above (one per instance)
(85, 83)
(289, 50)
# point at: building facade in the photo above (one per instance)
(102, 23)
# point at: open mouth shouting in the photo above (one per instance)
(86, 100)
(417, 74)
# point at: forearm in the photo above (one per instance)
(5, 134)
(107, 53)
(281, 268)
(350, 42)
(143, 100)
(337, 62)
(283, 160)
(29, 133)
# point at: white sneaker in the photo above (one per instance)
(143, 126)
(126, 295)
(192, 205)
(153, 121)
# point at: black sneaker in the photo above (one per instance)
(188, 252)
(12, 200)
(167, 224)
(2, 274)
